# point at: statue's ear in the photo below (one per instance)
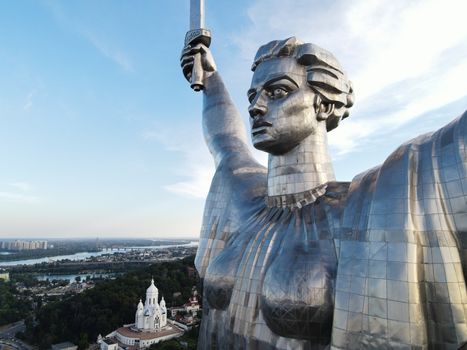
(325, 110)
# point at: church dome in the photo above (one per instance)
(152, 288)
(140, 305)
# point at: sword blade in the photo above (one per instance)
(196, 14)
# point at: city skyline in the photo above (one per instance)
(100, 135)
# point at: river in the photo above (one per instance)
(72, 278)
(85, 255)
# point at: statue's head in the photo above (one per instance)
(297, 90)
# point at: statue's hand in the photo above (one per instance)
(188, 57)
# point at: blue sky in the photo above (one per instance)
(100, 135)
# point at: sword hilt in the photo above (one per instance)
(195, 37)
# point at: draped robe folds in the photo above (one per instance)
(375, 263)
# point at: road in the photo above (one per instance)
(7, 336)
(10, 330)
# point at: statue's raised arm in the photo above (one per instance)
(223, 128)
(238, 179)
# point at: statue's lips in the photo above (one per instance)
(260, 127)
(260, 130)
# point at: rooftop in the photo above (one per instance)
(109, 341)
(128, 332)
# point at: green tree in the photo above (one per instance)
(13, 305)
(83, 342)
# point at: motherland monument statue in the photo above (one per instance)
(292, 258)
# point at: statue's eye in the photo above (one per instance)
(251, 96)
(277, 92)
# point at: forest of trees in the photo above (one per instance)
(12, 307)
(81, 318)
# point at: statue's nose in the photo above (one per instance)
(258, 106)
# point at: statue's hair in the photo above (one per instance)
(324, 75)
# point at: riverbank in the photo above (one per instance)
(75, 277)
(64, 248)
(88, 255)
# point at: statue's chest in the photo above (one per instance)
(280, 267)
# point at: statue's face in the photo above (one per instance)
(281, 106)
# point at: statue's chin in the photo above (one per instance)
(267, 143)
(261, 147)
(270, 145)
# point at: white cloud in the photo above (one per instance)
(115, 54)
(102, 44)
(17, 198)
(21, 185)
(28, 104)
(400, 105)
(18, 192)
(197, 185)
(197, 166)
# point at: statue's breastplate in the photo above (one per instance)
(279, 270)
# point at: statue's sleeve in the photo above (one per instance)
(223, 127)
(443, 188)
(402, 253)
(450, 166)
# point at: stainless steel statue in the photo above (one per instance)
(291, 258)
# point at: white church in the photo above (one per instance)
(150, 326)
(152, 316)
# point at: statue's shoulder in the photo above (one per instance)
(235, 188)
(243, 178)
(337, 189)
(437, 157)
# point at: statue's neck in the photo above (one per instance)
(305, 167)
